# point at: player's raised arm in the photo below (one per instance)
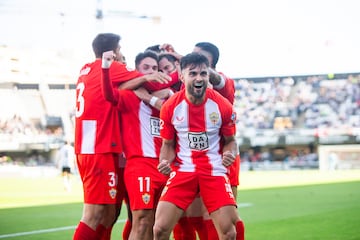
(110, 94)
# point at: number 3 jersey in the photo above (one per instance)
(97, 127)
(198, 131)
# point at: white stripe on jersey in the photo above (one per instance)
(213, 130)
(88, 136)
(149, 128)
(181, 123)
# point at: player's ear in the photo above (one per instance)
(181, 76)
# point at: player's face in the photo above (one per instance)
(148, 66)
(196, 79)
(166, 66)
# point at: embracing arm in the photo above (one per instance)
(156, 77)
(155, 99)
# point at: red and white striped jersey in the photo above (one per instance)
(198, 131)
(140, 126)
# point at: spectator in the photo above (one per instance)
(67, 163)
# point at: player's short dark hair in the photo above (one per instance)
(212, 49)
(105, 42)
(142, 55)
(193, 59)
(155, 48)
(168, 56)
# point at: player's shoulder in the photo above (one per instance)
(175, 98)
(217, 97)
(212, 93)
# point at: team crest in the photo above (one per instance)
(146, 198)
(214, 117)
(112, 193)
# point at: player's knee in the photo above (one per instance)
(230, 235)
(144, 223)
(160, 231)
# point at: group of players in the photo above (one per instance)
(160, 137)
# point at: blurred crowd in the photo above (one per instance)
(280, 104)
(283, 103)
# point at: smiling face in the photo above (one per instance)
(195, 78)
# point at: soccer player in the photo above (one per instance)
(98, 143)
(67, 163)
(140, 127)
(198, 131)
(196, 214)
(169, 64)
(226, 87)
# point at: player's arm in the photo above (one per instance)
(229, 150)
(223, 85)
(157, 77)
(110, 94)
(216, 79)
(151, 99)
(167, 156)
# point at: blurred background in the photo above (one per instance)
(295, 66)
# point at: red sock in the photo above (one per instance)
(183, 230)
(127, 230)
(211, 230)
(198, 224)
(240, 230)
(84, 232)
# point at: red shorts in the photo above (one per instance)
(144, 183)
(182, 188)
(234, 171)
(102, 178)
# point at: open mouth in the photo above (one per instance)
(198, 85)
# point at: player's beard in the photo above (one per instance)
(197, 93)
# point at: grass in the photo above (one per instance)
(314, 207)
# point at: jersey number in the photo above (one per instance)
(112, 179)
(144, 182)
(80, 101)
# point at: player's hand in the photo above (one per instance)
(164, 167)
(159, 77)
(228, 158)
(167, 47)
(107, 59)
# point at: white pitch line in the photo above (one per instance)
(243, 205)
(44, 231)
(240, 205)
(37, 232)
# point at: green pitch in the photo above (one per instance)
(39, 208)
